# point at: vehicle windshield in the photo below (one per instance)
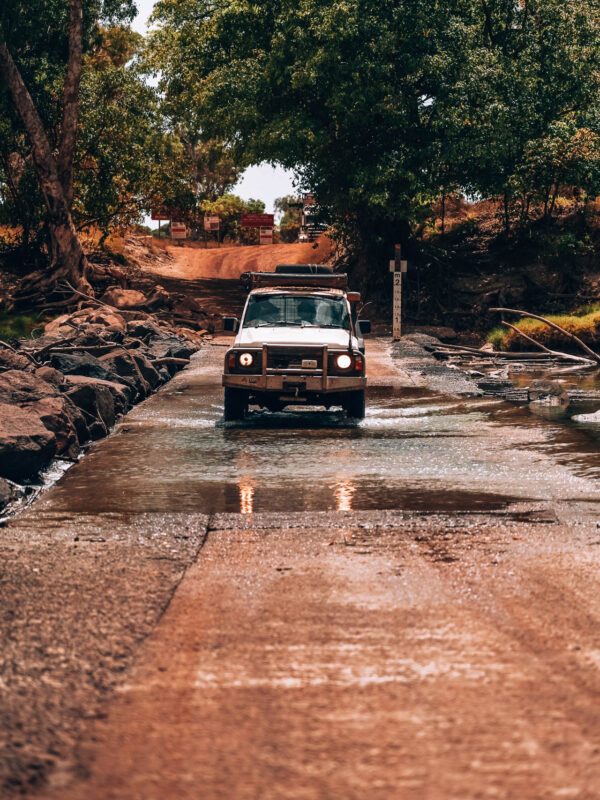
(274, 310)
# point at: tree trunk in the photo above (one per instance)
(506, 214)
(68, 134)
(68, 259)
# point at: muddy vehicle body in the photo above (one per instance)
(299, 342)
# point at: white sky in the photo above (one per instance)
(262, 182)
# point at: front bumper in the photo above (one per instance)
(305, 383)
(288, 377)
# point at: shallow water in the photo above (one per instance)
(414, 450)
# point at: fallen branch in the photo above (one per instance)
(88, 297)
(556, 327)
(20, 352)
(557, 353)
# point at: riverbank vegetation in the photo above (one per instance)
(467, 132)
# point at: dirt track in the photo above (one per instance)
(354, 649)
(193, 262)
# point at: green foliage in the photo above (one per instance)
(230, 207)
(381, 107)
(18, 326)
(134, 152)
(290, 207)
(497, 337)
(584, 322)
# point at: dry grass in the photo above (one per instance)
(583, 322)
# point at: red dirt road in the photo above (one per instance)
(192, 262)
(360, 654)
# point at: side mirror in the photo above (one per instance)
(231, 324)
(364, 325)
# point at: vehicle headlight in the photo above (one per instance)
(344, 361)
(246, 359)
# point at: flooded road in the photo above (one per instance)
(415, 450)
(301, 607)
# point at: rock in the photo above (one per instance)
(50, 375)
(122, 363)
(89, 394)
(172, 347)
(123, 298)
(441, 332)
(107, 318)
(422, 339)
(191, 334)
(80, 364)
(548, 392)
(64, 420)
(24, 387)
(98, 403)
(93, 335)
(26, 446)
(11, 360)
(145, 367)
(145, 330)
(159, 298)
(7, 493)
(593, 419)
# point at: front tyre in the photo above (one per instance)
(236, 404)
(354, 404)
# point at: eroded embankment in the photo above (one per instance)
(62, 391)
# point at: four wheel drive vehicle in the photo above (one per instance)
(299, 343)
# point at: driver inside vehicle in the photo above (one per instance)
(263, 312)
(306, 311)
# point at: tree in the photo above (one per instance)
(290, 207)
(24, 36)
(380, 108)
(229, 208)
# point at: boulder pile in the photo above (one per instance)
(70, 386)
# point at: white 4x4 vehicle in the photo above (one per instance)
(298, 343)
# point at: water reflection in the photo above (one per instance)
(246, 490)
(344, 492)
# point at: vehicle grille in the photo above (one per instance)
(292, 358)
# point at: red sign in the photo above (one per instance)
(160, 216)
(258, 220)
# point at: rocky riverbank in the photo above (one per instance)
(69, 387)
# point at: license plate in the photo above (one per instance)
(309, 363)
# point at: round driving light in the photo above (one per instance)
(246, 360)
(344, 362)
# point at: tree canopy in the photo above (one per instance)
(381, 107)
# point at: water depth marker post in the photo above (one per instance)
(398, 267)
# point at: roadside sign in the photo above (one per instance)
(266, 236)
(178, 230)
(258, 220)
(212, 223)
(398, 266)
(161, 216)
(398, 255)
(397, 313)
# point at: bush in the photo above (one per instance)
(17, 326)
(584, 322)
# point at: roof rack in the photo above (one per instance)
(299, 280)
(303, 269)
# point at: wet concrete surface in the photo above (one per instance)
(416, 449)
(299, 606)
